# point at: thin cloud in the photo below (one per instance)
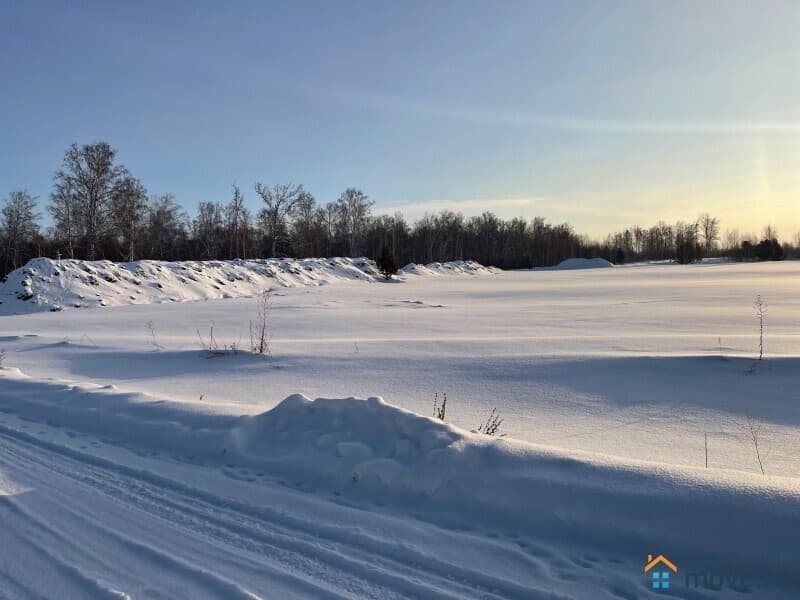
(553, 209)
(471, 206)
(382, 101)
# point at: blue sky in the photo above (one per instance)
(603, 114)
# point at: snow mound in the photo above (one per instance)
(45, 284)
(582, 263)
(459, 267)
(338, 442)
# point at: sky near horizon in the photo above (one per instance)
(602, 114)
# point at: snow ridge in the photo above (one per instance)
(46, 284)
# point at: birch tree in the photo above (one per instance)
(18, 226)
(355, 208)
(279, 204)
(130, 210)
(87, 180)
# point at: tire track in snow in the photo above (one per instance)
(367, 574)
(87, 586)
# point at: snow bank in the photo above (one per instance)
(369, 451)
(459, 267)
(572, 264)
(45, 284)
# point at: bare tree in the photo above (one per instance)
(709, 228)
(63, 208)
(305, 225)
(354, 209)
(237, 217)
(208, 228)
(328, 217)
(165, 227)
(279, 202)
(89, 177)
(733, 239)
(129, 210)
(245, 235)
(18, 225)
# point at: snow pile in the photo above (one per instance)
(339, 442)
(572, 264)
(45, 284)
(459, 267)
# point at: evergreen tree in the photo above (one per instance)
(387, 262)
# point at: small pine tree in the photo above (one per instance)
(387, 262)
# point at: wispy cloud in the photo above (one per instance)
(527, 207)
(470, 206)
(467, 206)
(401, 103)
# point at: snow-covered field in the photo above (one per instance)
(133, 464)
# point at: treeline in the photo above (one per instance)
(688, 242)
(100, 210)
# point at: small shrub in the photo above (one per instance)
(259, 331)
(212, 347)
(492, 425)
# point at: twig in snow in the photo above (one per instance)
(492, 425)
(755, 432)
(153, 341)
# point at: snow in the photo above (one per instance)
(129, 467)
(582, 263)
(449, 268)
(45, 284)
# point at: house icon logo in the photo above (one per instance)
(659, 570)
